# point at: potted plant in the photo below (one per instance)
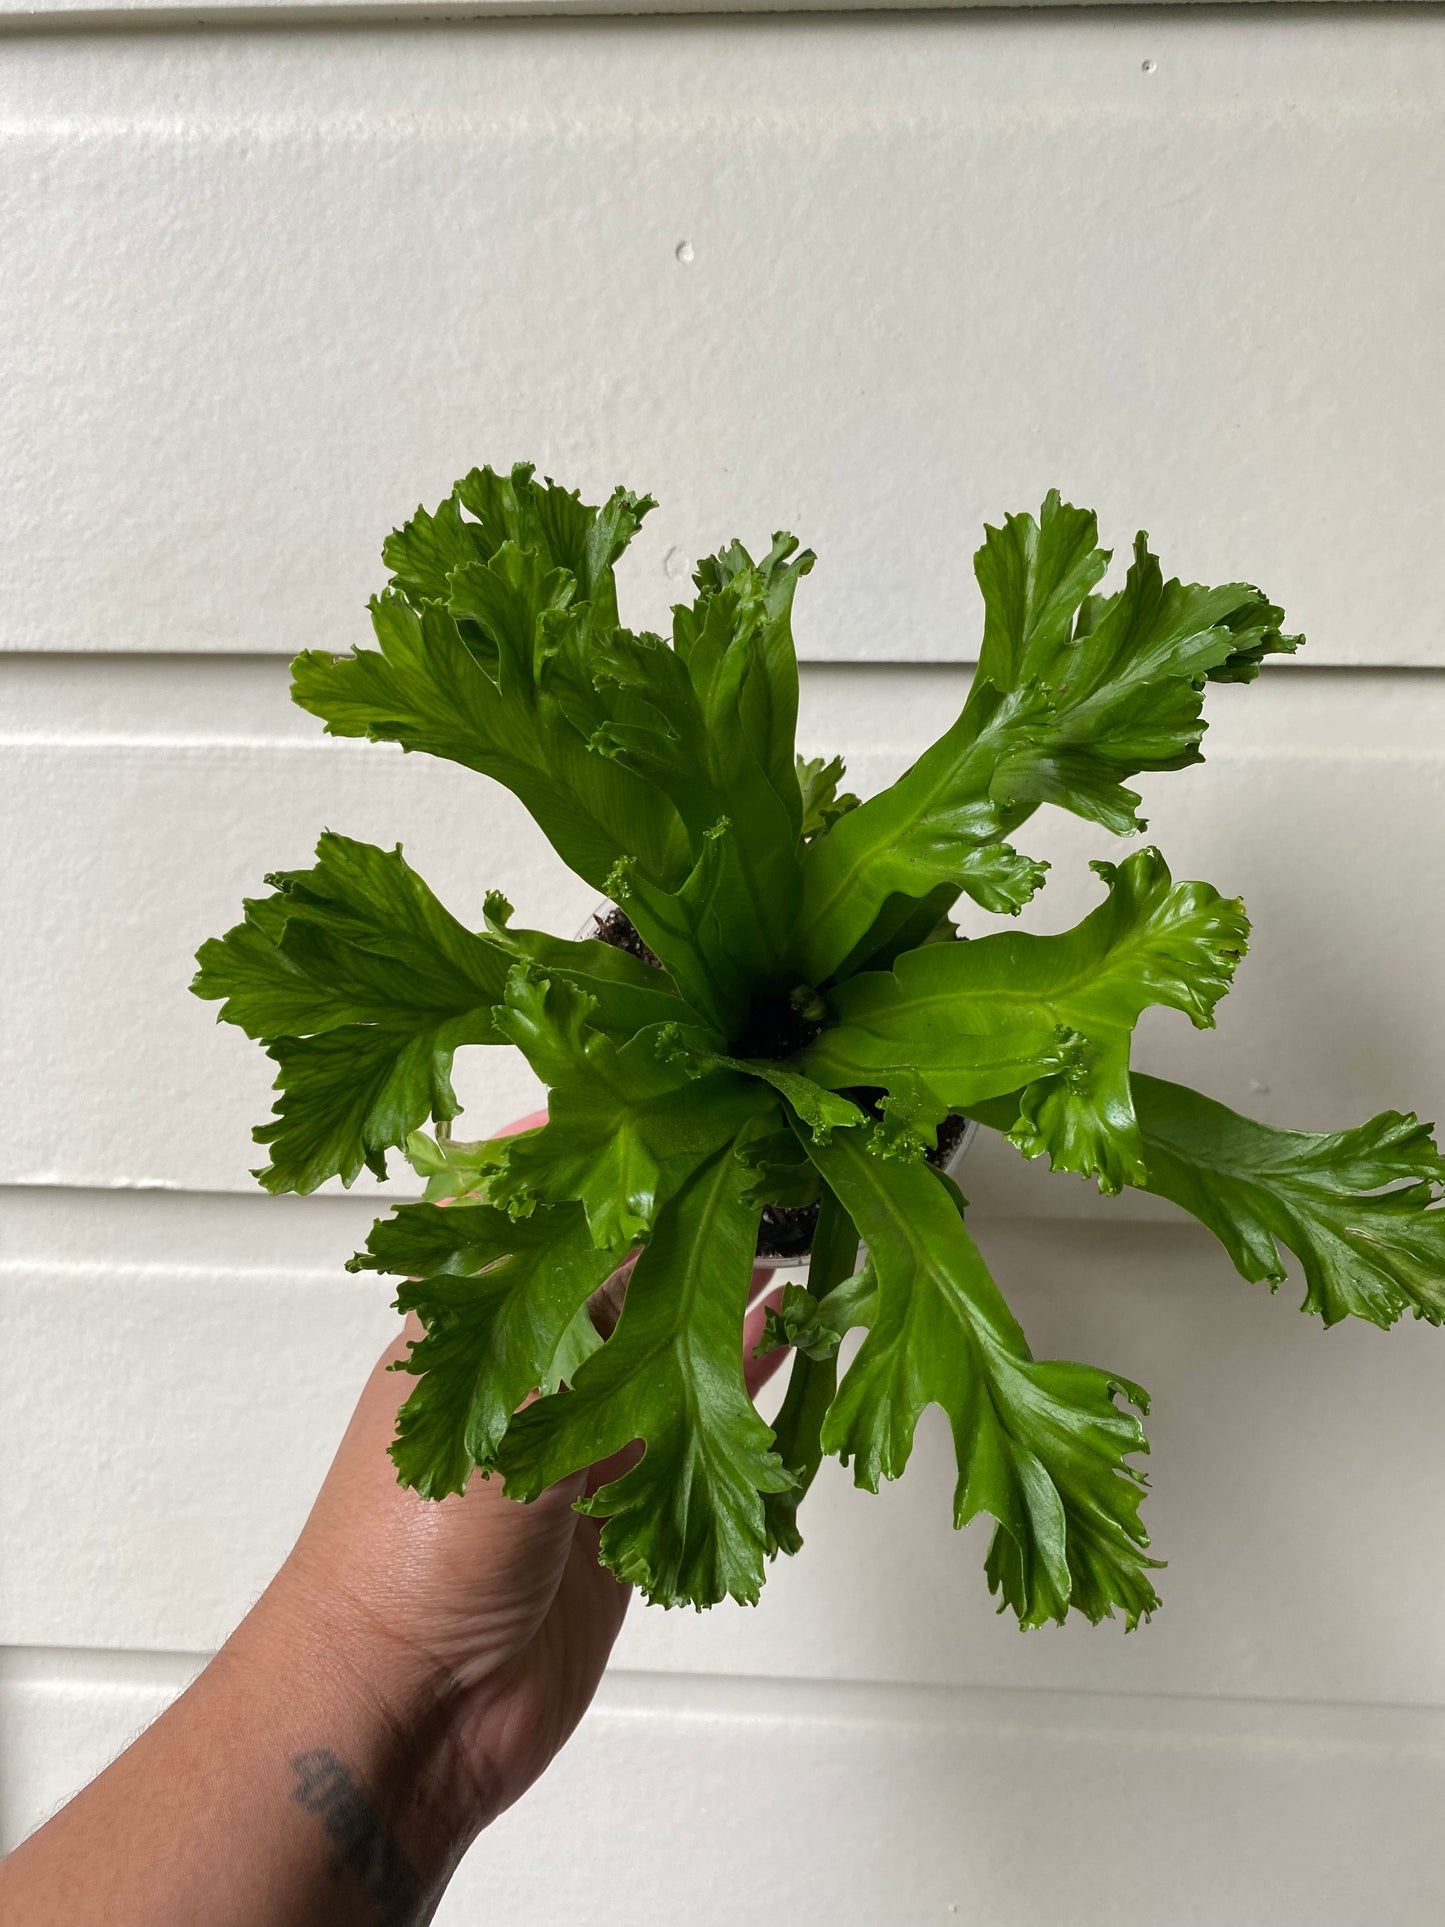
(780, 1024)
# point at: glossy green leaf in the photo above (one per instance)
(477, 609)
(359, 939)
(1357, 1208)
(813, 1375)
(625, 995)
(757, 598)
(904, 923)
(815, 1326)
(707, 723)
(625, 1127)
(452, 1167)
(1124, 694)
(820, 1110)
(579, 1341)
(1034, 577)
(798, 1019)
(1074, 694)
(685, 1523)
(936, 826)
(550, 521)
(705, 932)
(1042, 1446)
(1053, 1014)
(362, 987)
(346, 1097)
(821, 802)
(498, 1301)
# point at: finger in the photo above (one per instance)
(762, 1278)
(604, 1307)
(757, 1371)
(612, 1467)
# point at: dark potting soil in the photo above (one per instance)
(615, 927)
(786, 1230)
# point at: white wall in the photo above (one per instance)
(266, 289)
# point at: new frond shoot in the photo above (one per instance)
(773, 1039)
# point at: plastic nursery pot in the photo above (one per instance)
(785, 1235)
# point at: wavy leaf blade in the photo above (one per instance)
(475, 611)
(1034, 577)
(625, 994)
(936, 826)
(685, 1524)
(363, 987)
(768, 707)
(625, 1127)
(1075, 693)
(348, 1096)
(812, 1382)
(710, 724)
(497, 1301)
(1053, 1014)
(357, 939)
(1041, 1445)
(1358, 1208)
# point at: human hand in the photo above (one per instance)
(406, 1676)
(489, 1619)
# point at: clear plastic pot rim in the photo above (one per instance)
(796, 1269)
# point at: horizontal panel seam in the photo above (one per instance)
(1270, 750)
(637, 1694)
(85, 739)
(61, 1270)
(180, 660)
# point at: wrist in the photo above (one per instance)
(371, 1724)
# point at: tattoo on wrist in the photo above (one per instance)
(364, 1846)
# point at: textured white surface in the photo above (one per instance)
(851, 1806)
(65, 1714)
(263, 292)
(1285, 1463)
(92, 13)
(993, 1810)
(140, 817)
